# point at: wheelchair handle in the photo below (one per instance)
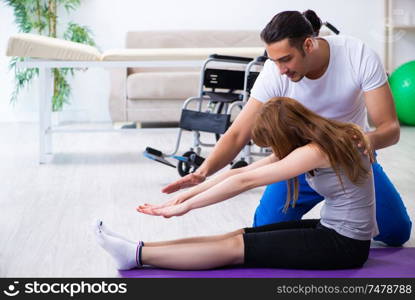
(231, 58)
(331, 27)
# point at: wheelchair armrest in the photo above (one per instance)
(229, 58)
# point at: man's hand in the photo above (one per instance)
(365, 145)
(189, 180)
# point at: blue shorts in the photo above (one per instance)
(391, 215)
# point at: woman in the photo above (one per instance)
(302, 142)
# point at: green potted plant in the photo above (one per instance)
(41, 17)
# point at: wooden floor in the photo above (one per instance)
(46, 211)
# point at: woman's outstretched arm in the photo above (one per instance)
(184, 196)
(299, 161)
(229, 173)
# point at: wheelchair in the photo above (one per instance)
(221, 92)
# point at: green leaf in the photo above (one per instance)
(34, 16)
(79, 34)
(70, 5)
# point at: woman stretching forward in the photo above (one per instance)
(302, 142)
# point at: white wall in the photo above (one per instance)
(110, 21)
(403, 41)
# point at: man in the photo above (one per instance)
(329, 76)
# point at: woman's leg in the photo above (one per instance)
(192, 240)
(309, 223)
(197, 255)
(298, 224)
(302, 247)
(103, 227)
(208, 252)
(301, 244)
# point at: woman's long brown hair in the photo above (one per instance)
(284, 124)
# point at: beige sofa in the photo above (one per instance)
(156, 94)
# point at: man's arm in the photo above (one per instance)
(228, 146)
(381, 110)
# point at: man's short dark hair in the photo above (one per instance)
(294, 25)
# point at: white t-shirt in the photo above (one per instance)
(353, 69)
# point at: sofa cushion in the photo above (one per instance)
(193, 39)
(154, 110)
(162, 85)
(163, 69)
(212, 65)
(156, 54)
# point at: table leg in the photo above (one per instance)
(45, 114)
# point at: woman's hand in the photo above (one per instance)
(176, 200)
(167, 210)
(189, 180)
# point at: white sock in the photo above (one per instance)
(99, 223)
(125, 254)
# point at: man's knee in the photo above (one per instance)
(271, 207)
(396, 235)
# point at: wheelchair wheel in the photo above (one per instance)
(194, 162)
(239, 164)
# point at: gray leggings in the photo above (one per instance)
(302, 244)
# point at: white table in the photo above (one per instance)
(46, 89)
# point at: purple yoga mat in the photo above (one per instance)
(382, 262)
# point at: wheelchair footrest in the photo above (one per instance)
(157, 155)
(202, 121)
